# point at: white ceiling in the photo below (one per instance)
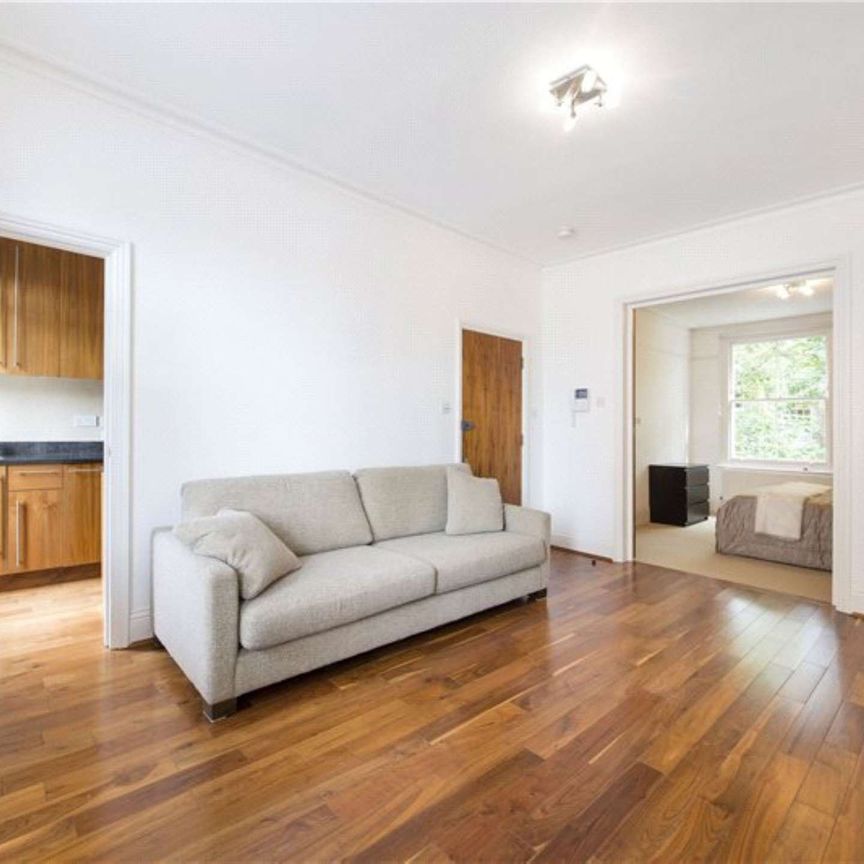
(438, 107)
(748, 305)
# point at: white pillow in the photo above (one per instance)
(474, 504)
(243, 542)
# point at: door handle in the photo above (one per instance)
(468, 425)
(19, 511)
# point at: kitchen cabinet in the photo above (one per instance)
(53, 516)
(3, 520)
(51, 312)
(82, 514)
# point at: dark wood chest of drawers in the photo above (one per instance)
(678, 493)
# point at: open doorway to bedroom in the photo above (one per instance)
(732, 435)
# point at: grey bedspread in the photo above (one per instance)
(735, 535)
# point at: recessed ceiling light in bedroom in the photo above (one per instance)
(577, 88)
(565, 232)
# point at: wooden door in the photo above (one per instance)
(32, 296)
(82, 514)
(492, 410)
(81, 316)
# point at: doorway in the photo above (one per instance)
(113, 258)
(492, 399)
(733, 401)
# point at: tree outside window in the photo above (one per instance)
(779, 400)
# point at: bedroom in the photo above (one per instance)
(732, 435)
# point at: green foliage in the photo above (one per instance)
(780, 390)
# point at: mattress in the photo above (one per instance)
(735, 533)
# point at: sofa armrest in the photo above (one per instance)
(196, 614)
(524, 520)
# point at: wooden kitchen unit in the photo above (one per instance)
(52, 516)
(51, 312)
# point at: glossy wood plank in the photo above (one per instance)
(636, 715)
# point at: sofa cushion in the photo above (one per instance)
(404, 501)
(467, 559)
(241, 541)
(331, 589)
(309, 512)
(474, 504)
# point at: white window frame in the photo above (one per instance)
(790, 465)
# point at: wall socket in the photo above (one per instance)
(88, 420)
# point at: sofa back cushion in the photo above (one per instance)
(404, 501)
(309, 512)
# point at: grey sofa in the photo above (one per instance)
(377, 567)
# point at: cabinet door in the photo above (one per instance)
(35, 530)
(33, 311)
(82, 513)
(82, 314)
(4, 543)
(7, 276)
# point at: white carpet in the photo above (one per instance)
(692, 549)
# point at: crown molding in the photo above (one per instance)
(190, 124)
(800, 203)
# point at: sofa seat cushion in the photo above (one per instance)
(331, 589)
(467, 559)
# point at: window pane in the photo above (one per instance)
(793, 430)
(781, 369)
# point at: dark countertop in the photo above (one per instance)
(50, 452)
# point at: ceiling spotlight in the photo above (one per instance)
(565, 232)
(784, 292)
(577, 88)
(805, 289)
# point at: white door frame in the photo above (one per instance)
(116, 513)
(457, 402)
(839, 268)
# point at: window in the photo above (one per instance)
(779, 400)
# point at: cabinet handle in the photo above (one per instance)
(84, 470)
(15, 360)
(36, 473)
(19, 512)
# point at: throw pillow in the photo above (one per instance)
(243, 542)
(474, 504)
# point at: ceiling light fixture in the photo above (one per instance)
(565, 232)
(577, 88)
(789, 289)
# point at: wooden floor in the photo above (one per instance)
(638, 714)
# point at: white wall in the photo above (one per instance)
(280, 323)
(661, 354)
(43, 409)
(708, 392)
(584, 335)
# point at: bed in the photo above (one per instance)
(736, 532)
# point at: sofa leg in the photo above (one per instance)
(219, 710)
(538, 595)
